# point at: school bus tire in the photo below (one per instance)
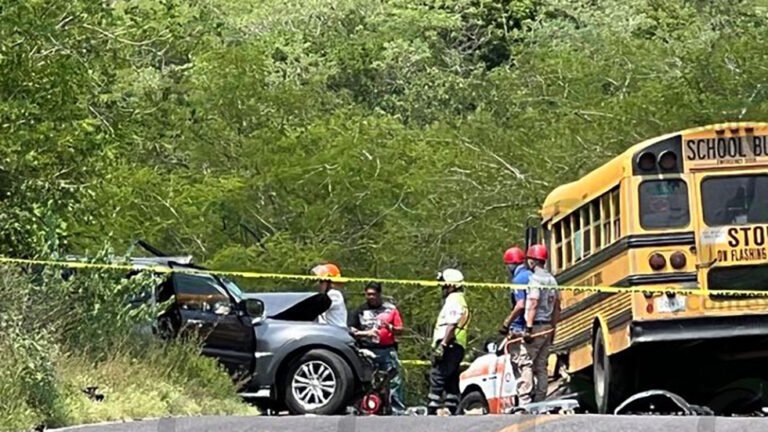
(606, 375)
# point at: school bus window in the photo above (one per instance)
(567, 243)
(547, 236)
(616, 212)
(578, 237)
(557, 229)
(586, 245)
(664, 204)
(735, 200)
(606, 216)
(596, 239)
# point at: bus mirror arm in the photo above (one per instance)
(531, 231)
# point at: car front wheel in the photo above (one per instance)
(473, 403)
(319, 382)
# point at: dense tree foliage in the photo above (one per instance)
(393, 137)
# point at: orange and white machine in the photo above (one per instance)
(488, 385)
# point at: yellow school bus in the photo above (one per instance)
(686, 210)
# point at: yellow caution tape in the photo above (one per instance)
(424, 283)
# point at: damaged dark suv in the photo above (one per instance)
(269, 342)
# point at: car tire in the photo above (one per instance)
(472, 401)
(310, 379)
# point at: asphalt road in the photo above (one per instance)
(509, 423)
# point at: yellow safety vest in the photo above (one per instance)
(454, 310)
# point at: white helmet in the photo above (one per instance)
(451, 277)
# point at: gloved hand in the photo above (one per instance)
(503, 330)
(528, 335)
(437, 354)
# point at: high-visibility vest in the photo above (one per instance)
(454, 310)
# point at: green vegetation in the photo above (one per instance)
(60, 337)
(395, 138)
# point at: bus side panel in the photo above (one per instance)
(581, 309)
(619, 339)
(580, 356)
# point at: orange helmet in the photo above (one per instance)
(333, 270)
(538, 252)
(514, 255)
(326, 270)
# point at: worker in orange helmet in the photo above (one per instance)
(337, 312)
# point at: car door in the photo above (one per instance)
(207, 309)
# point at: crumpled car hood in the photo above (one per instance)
(294, 306)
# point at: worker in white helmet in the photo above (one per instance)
(449, 341)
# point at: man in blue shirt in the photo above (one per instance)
(514, 325)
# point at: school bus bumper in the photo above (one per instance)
(715, 327)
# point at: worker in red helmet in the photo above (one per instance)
(513, 325)
(514, 259)
(542, 313)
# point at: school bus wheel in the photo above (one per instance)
(609, 389)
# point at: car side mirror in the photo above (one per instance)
(255, 309)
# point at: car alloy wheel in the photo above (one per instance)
(314, 384)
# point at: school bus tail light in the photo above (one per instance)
(668, 160)
(657, 261)
(677, 260)
(649, 308)
(646, 161)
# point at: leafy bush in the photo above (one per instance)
(27, 353)
(58, 337)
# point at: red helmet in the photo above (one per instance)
(514, 255)
(537, 251)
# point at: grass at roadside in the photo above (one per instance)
(59, 337)
(160, 381)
